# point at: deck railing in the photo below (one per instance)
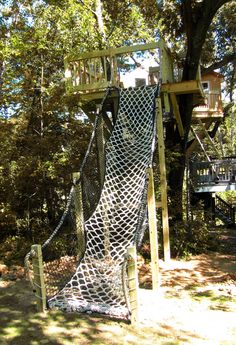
(213, 103)
(224, 209)
(97, 70)
(217, 172)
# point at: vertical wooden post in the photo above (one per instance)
(133, 283)
(100, 147)
(161, 151)
(79, 216)
(177, 114)
(68, 76)
(166, 71)
(39, 278)
(153, 231)
(213, 206)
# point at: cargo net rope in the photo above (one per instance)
(85, 257)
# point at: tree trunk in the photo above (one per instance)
(197, 17)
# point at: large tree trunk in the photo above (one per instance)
(197, 17)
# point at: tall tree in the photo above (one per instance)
(191, 22)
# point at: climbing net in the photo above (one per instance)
(89, 275)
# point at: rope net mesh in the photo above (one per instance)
(89, 275)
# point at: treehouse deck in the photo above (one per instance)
(214, 176)
(212, 107)
(89, 74)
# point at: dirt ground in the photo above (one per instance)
(195, 304)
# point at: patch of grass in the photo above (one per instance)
(193, 287)
(216, 301)
(202, 294)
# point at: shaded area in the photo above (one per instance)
(195, 305)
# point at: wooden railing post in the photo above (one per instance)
(162, 165)
(153, 231)
(133, 283)
(40, 291)
(79, 216)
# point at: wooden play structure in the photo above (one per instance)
(92, 78)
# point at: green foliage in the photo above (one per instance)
(191, 237)
(41, 140)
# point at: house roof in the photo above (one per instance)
(215, 74)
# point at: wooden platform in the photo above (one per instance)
(214, 176)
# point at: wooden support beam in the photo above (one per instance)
(153, 231)
(76, 55)
(38, 281)
(200, 143)
(210, 141)
(177, 114)
(161, 152)
(89, 87)
(183, 87)
(195, 142)
(133, 283)
(79, 216)
(166, 64)
(100, 148)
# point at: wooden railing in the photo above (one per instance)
(224, 210)
(98, 69)
(214, 172)
(213, 103)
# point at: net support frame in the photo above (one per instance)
(153, 231)
(163, 181)
(132, 271)
(38, 281)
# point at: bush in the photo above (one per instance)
(193, 237)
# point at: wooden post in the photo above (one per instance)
(177, 114)
(68, 76)
(40, 291)
(153, 231)
(161, 151)
(133, 283)
(209, 139)
(79, 216)
(166, 71)
(100, 147)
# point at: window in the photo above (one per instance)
(206, 86)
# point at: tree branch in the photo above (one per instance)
(227, 58)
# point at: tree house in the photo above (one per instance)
(208, 111)
(212, 108)
(88, 75)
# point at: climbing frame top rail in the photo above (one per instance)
(98, 70)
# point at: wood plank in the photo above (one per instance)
(209, 139)
(152, 220)
(194, 144)
(177, 114)
(40, 291)
(79, 217)
(89, 87)
(200, 143)
(184, 87)
(162, 167)
(133, 283)
(76, 55)
(166, 64)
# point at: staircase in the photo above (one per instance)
(224, 211)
